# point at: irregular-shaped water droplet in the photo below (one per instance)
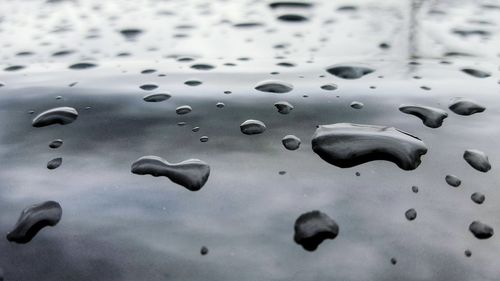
(33, 219)
(54, 163)
(82, 65)
(349, 72)
(183, 109)
(477, 197)
(347, 145)
(291, 142)
(477, 159)
(58, 115)
(252, 127)
(274, 86)
(312, 228)
(481, 230)
(283, 107)
(465, 107)
(476, 72)
(56, 143)
(148, 87)
(357, 105)
(431, 117)
(453, 180)
(411, 214)
(157, 97)
(203, 251)
(191, 174)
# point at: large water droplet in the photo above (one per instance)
(431, 117)
(312, 228)
(477, 159)
(347, 145)
(465, 107)
(191, 173)
(273, 86)
(476, 72)
(58, 115)
(33, 219)
(291, 142)
(349, 72)
(252, 127)
(481, 230)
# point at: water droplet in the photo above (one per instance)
(349, 72)
(203, 251)
(183, 109)
(193, 83)
(292, 18)
(468, 253)
(204, 139)
(58, 115)
(477, 197)
(191, 174)
(411, 214)
(82, 65)
(274, 86)
(481, 230)
(54, 163)
(453, 180)
(148, 71)
(290, 4)
(220, 105)
(477, 159)
(14, 68)
(148, 87)
(33, 219)
(291, 142)
(252, 127)
(329, 87)
(476, 72)
(347, 145)
(465, 107)
(357, 105)
(201, 66)
(312, 228)
(56, 143)
(131, 33)
(283, 107)
(394, 261)
(157, 97)
(431, 117)
(414, 189)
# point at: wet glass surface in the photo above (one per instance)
(103, 58)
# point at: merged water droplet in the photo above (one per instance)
(183, 109)
(347, 145)
(58, 115)
(157, 97)
(274, 86)
(291, 142)
(56, 143)
(54, 163)
(465, 107)
(191, 174)
(481, 230)
(478, 197)
(411, 214)
(252, 127)
(312, 228)
(283, 107)
(431, 117)
(33, 219)
(477, 159)
(453, 180)
(349, 72)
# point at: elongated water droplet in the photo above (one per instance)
(183, 109)
(252, 127)
(56, 143)
(291, 142)
(58, 115)
(465, 107)
(274, 86)
(54, 163)
(476, 72)
(453, 180)
(82, 65)
(157, 97)
(356, 105)
(191, 174)
(349, 72)
(481, 230)
(312, 228)
(33, 219)
(477, 159)
(431, 117)
(347, 145)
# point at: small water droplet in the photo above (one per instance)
(411, 214)
(349, 72)
(283, 107)
(453, 180)
(477, 197)
(56, 143)
(54, 163)
(291, 142)
(274, 86)
(252, 127)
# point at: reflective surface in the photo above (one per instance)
(117, 225)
